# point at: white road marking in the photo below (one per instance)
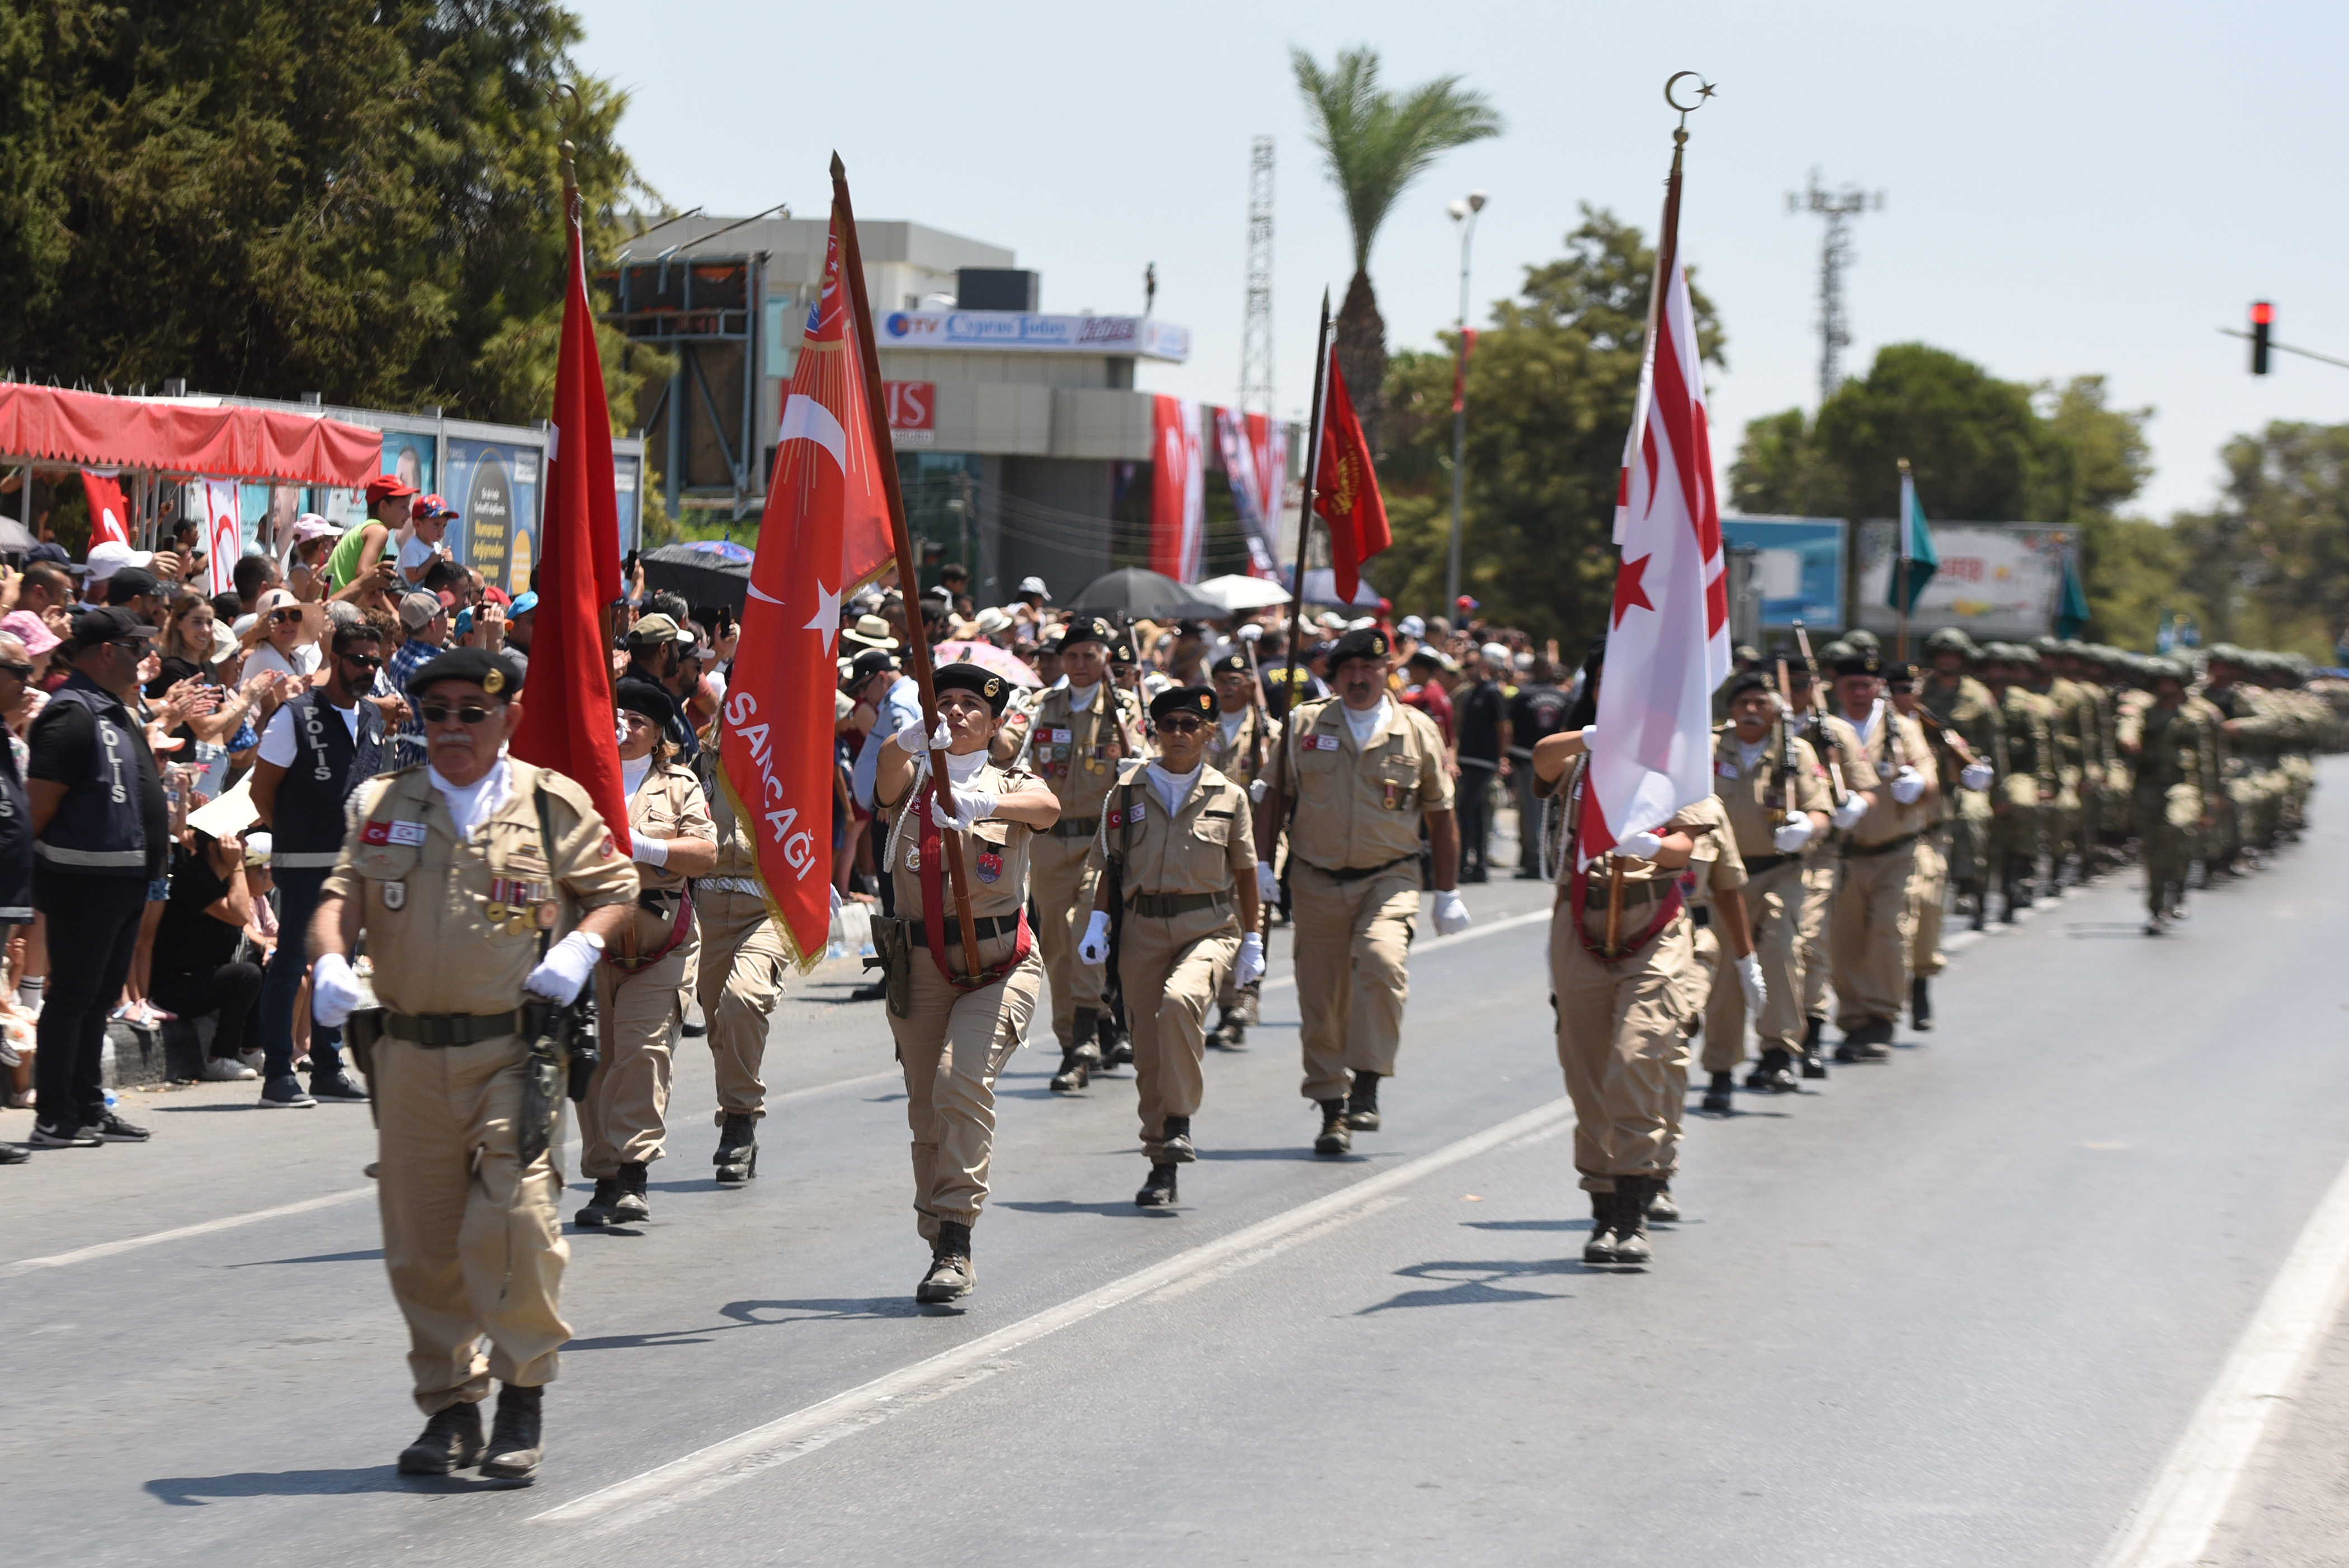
(802, 1432)
(2173, 1526)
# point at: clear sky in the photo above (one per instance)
(2071, 188)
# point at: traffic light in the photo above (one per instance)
(2262, 317)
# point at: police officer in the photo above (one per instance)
(1080, 735)
(640, 985)
(316, 752)
(1240, 746)
(740, 978)
(1868, 928)
(2165, 741)
(956, 1028)
(1776, 792)
(1358, 773)
(1178, 841)
(481, 884)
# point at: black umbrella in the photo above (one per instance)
(704, 572)
(1134, 592)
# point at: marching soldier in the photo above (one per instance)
(1868, 928)
(1177, 848)
(1820, 860)
(1079, 735)
(1358, 772)
(1965, 706)
(1957, 774)
(1240, 747)
(740, 978)
(2071, 723)
(1776, 792)
(2027, 779)
(1721, 942)
(954, 1028)
(488, 890)
(2166, 739)
(640, 986)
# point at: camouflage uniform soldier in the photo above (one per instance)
(2028, 782)
(1965, 706)
(2164, 739)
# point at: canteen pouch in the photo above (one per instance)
(893, 955)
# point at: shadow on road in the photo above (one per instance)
(751, 1315)
(371, 1254)
(1484, 1285)
(197, 1491)
(1125, 1211)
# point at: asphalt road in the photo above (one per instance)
(1955, 1308)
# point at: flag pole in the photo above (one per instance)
(917, 641)
(1296, 577)
(1901, 635)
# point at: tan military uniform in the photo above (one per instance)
(470, 1239)
(1928, 878)
(1354, 881)
(1820, 864)
(1714, 869)
(743, 958)
(952, 1043)
(1180, 933)
(1779, 904)
(1868, 929)
(1237, 756)
(624, 1116)
(1076, 754)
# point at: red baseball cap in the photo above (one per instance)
(389, 487)
(433, 506)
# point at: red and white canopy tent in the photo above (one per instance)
(154, 440)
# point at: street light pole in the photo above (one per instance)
(1463, 212)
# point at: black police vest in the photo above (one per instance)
(98, 831)
(16, 840)
(306, 828)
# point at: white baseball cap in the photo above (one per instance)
(111, 556)
(1495, 653)
(1411, 626)
(1034, 585)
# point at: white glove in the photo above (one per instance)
(651, 851)
(1792, 834)
(835, 899)
(909, 739)
(1249, 967)
(1908, 785)
(561, 974)
(333, 990)
(1977, 776)
(1451, 912)
(1854, 807)
(1251, 633)
(969, 806)
(1095, 949)
(1589, 738)
(1257, 790)
(1750, 981)
(1267, 886)
(1640, 846)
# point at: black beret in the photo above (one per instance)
(1900, 675)
(1121, 654)
(493, 673)
(1364, 643)
(1860, 662)
(643, 697)
(1230, 665)
(1085, 629)
(1745, 681)
(963, 676)
(1183, 699)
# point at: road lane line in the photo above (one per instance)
(2173, 1526)
(802, 1432)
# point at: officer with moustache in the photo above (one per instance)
(1240, 746)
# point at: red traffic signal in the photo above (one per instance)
(2262, 317)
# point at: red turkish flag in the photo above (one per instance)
(107, 509)
(825, 533)
(568, 715)
(1347, 489)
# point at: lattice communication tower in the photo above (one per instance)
(1255, 334)
(1839, 208)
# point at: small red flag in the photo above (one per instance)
(109, 511)
(825, 533)
(567, 717)
(1347, 489)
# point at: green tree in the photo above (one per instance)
(1377, 142)
(359, 198)
(1550, 390)
(2272, 556)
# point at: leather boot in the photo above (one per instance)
(596, 1212)
(1774, 1074)
(1661, 1210)
(631, 1207)
(451, 1441)
(1920, 1003)
(1158, 1192)
(1362, 1106)
(1077, 1058)
(1231, 1030)
(1600, 1247)
(1814, 1065)
(1868, 1042)
(515, 1446)
(952, 1276)
(1717, 1093)
(1174, 1141)
(737, 1149)
(1335, 1138)
(1631, 1195)
(1116, 1044)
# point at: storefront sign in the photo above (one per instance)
(1018, 332)
(912, 412)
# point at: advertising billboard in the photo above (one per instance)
(627, 480)
(1797, 567)
(493, 485)
(1020, 332)
(1996, 579)
(410, 456)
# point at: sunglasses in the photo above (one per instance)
(22, 672)
(363, 661)
(1182, 724)
(284, 617)
(442, 713)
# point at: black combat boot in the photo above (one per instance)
(1717, 1093)
(1174, 1141)
(1079, 1056)
(1362, 1106)
(1774, 1074)
(1158, 1192)
(1116, 1044)
(1868, 1042)
(1631, 1195)
(952, 1276)
(737, 1149)
(1981, 909)
(1600, 1247)
(1814, 1065)
(1660, 1207)
(1920, 1005)
(451, 1441)
(515, 1446)
(631, 1207)
(598, 1211)
(1335, 1138)
(1231, 1030)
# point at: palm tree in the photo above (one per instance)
(1377, 143)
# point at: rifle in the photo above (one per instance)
(1829, 747)
(1785, 734)
(558, 1033)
